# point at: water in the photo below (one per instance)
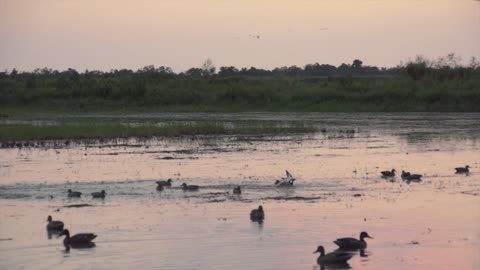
(338, 193)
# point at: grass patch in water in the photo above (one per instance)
(98, 130)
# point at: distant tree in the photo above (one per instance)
(417, 69)
(194, 72)
(357, 64)
(228, 71)
(164, 70)
(449, 61)
(474, 62)
(344, 69)
(280, 71)
(207, 68)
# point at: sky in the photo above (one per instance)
(115, 34)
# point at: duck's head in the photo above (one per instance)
(184, 185)
(103, 192)
(467, 167)
(365, 235)
(393, 170)
(169, 180)
(320, 250)
(49, 219)
(65, 232)
(260, 208)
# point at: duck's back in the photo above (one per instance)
(348, 242)
(55, 225)
(82, 238)
(164, 183)
(257, 214)
(192, 187)
(98, 195)
(74, 194)
(335, 257)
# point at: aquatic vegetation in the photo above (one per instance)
(99, 130)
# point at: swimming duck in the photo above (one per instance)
(389, 173)
(411, 177)
(414, 177)
(405, 174)
(189, 187)
(54, 225)
(462, 169)
(164, 183)
(335, 257)
(352, 243)
(100, 195)
(79, 239)
(237, 190)
(257, 214)
(285, 181)
(73, 194)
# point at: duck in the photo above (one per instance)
(352, 243)
(462, 169)
(405, 174)
(189, 187)
(414, 177)
(80, 239)
(160, 187)
(99, 195)
(285, 181)
(336, 257)
(389, 173)
(257, 214)
(237, 190)
(74, 194)
(54, 225)
(164, 183)
(411, 177)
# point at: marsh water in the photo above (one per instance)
(339, 192)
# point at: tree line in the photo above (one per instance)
(419, 84)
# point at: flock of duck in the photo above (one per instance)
(339, 256)
(418, 177)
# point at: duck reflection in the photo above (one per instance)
(78, 246)
(362, 252)
(336, 266)
(53, 233)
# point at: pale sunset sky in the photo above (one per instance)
(115, 34)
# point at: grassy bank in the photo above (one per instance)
(234, 94)
(78, 131)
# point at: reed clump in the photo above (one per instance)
(101, 130)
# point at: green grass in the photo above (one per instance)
(100, 130)
(238, 94)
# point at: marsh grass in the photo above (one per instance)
(103, 130)
(235, 94)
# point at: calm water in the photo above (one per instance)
(426, 225)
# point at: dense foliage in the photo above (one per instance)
(419, 85)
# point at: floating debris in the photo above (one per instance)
(79, 205)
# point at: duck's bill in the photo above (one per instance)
(315, 252)
(368, 236)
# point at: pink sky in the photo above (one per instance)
(106, 34)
